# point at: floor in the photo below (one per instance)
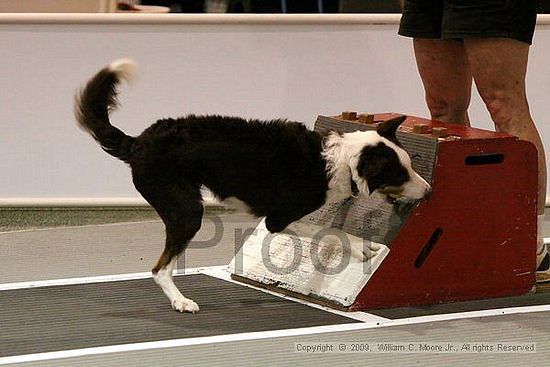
(44, 263)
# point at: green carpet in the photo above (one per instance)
(13, 219)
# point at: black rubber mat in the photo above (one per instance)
(532, 299)
(91, 315)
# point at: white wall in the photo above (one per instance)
(280, 68)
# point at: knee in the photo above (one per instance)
(447, 109)
(182, 231)
(503, 110)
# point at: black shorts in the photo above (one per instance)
(459, 19)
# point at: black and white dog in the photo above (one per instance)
(278, 169)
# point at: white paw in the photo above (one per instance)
(367, 252)
(185, 305)
(359, 254)
(374, 247)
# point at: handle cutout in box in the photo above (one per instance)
(428, 247)
(484, 159)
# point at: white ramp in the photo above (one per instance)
(319, 262)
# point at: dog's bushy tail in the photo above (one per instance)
(97, 99)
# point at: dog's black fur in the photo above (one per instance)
(260, 163)
(275, 167)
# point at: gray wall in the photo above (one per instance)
(270, 70)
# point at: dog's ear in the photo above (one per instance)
(388, 128)
(380, 166)
(371, 165)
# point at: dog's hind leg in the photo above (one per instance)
(181, 209)
(181, 227)
(163, 277)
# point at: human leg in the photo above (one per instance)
(447, 79)
(499, 68)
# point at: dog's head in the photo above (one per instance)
(376, 162)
